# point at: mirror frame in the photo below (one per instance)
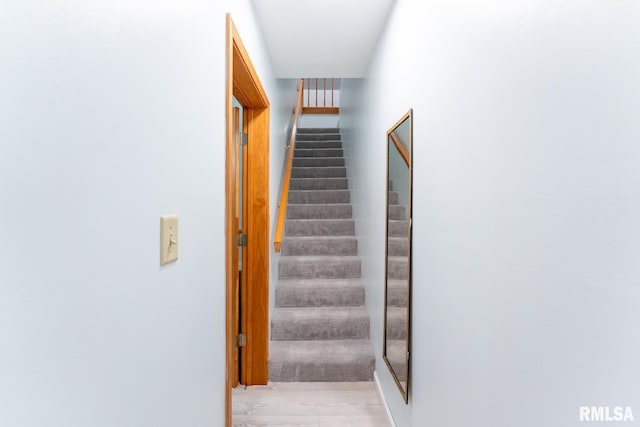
(404, 391)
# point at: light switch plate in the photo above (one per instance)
(168, 239)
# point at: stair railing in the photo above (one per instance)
(284, 192)
(320, 104)
(401, 149)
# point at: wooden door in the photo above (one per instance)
(239, 291)
(236, 257)
(252, 283)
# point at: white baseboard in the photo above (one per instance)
(383, 401)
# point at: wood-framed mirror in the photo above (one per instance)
(397, 301)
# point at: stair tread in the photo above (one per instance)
(318, 162)
(327, 360)
(320, 238)
(397, 313)
(326, 149)
(334, 178)
(311, 323)
(319, 196)
(320, 150)
(397, 350)
(318, 204)
(397, 293)
(322, 168)
(301, 313)
(320, 141)
(319, 258)
(321, 190)
(325, 244)
(320, 283)
(319, 210)
(316, 227)
(302, 220)
(300, 184)
(318, 171)
(318, 136)
(319, 158)
(329, 178)
(320, 293)
(316, 167)
(328, 350)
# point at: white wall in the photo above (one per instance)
(112, 115)
(526, 205)
(319, 121)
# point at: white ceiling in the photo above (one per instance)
(321, 38)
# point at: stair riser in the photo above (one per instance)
(318, 130)
(319, 172)
(298, 269)
(398, 228)
(286, 329)
(317, 152)
(318, 144)
(285, 371)
(397, 296)
(318, 184)
(317, 136)
(396, 329)
(319, 228)
(397, 356)
(319, 196)
(291, 296)
(393, 198)
(398, 268)
(397, 212)
(318, 161)
(398, 247)
(334, 247)
(318, 211)
(401, 370)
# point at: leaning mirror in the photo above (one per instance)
(397, 306)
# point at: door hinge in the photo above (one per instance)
(241, 239)
(241, 340)
(244, 138)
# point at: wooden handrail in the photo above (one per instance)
(401, 148)
(284, 194)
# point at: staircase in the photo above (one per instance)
(319, 328)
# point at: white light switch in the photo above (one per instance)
(168, 239)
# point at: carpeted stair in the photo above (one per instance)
(397, 287)
(319, 328)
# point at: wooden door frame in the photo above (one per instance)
(242, 81)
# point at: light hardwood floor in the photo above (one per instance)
(308, 405)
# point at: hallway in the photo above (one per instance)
(309, 405)
(525, 226)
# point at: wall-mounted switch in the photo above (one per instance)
(168, 239)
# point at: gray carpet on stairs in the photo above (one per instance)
(320, 328)
(397, 293)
